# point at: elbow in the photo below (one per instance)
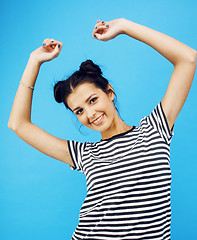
(193, 55)
(188, 58)
(11, 126)
(17, 126)
(14, 126)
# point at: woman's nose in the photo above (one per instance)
(91, 114)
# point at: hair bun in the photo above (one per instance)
(58, 91)
(89, 67)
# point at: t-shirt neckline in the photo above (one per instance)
(118, 135)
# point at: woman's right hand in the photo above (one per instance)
(48, 51)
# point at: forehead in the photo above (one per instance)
(81, 94)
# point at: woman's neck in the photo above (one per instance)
(117, 127)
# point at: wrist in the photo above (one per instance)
(124, 25)
(34, 62)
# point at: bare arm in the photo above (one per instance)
(180, 55)
(20, 117)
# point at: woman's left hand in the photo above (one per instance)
(105, 31)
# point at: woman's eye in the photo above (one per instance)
(78, 112)
(93, 100)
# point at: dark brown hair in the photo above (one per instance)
(88, 72)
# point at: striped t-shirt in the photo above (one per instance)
(128, 182)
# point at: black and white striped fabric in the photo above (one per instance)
(128, 183)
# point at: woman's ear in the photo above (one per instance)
(111, 93)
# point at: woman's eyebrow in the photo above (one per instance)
(85, 101)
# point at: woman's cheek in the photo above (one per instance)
(83, 120)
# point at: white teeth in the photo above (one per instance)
(96, 121)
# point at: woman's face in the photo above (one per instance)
(93, 107)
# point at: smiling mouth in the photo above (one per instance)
(98, 121)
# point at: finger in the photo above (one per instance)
(99, 23)
(50, 44)
(48, 40)
(99, 30)
(101, 37)
(45, 42)
(60, 45)
(53, 42)
(55, 52)
(97, 36)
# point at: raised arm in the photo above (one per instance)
(180, 55)
(20, 117)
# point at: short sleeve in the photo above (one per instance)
(158, 120)
(76, 150)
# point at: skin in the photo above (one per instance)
(89, 103)
(180, 55)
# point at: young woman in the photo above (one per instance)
(127, 171)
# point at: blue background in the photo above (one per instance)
(41, 197)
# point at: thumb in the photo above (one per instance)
(56, 51)
(100, 37)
